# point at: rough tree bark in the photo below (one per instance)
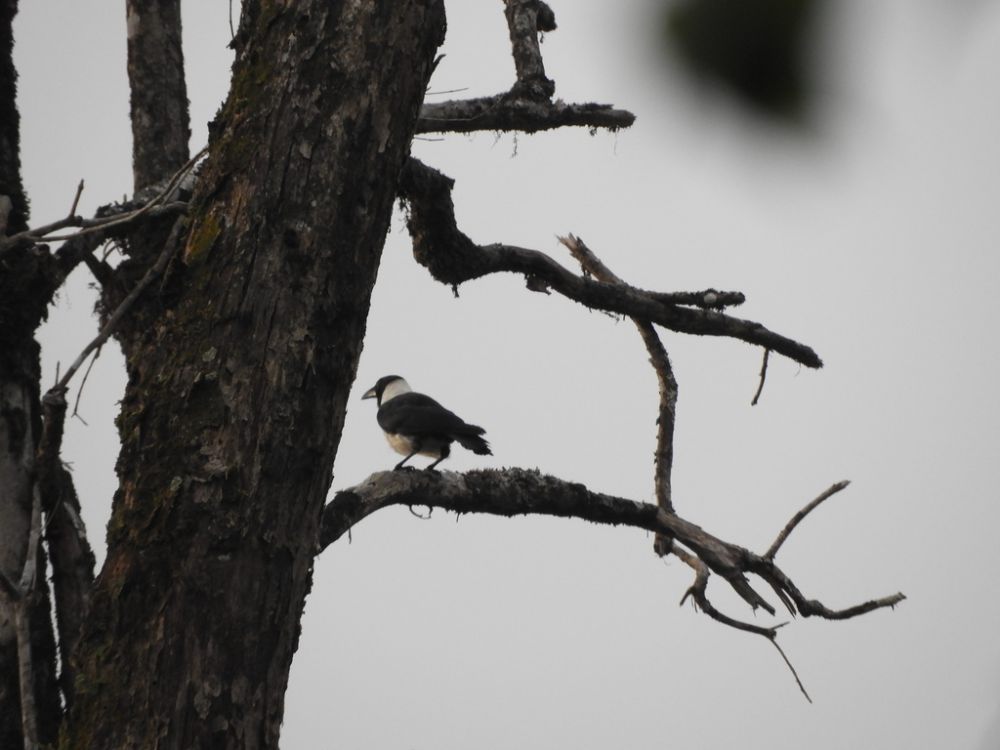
(240, 360)
(239, 378)
(26, 285)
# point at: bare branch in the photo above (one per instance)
(453, 258)
(797, 518)
(79, 392)
(528, 106)
(154, 207)
(522, 20)
(69, 551)
(169, 248)
(76, 199)
(517, 492)
(664, 456)
(769, 571)
(774, 642)
(763, 377)
(514, 492)
(697, 594)
(506, 112)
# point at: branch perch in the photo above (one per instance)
(517, 492)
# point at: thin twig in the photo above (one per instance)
(79, 393)
(453, 258)
(697, 593)
(797, 518)
(774, 642)
(763, 376)
(76, 199)
(700, 598)
(152, 273)
(93, 226)
(447, 91)
(90, 226)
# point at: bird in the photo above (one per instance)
(417, 424)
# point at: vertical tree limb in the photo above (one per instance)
(160, 121)
(69, 551)
(664, 456)
(523, 22)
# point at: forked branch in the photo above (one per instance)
(161, 203)
(528, 105)
(664, 457)
(518, 492)
(453, 258)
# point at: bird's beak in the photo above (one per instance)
(370, 393)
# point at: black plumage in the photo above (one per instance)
(417, 424)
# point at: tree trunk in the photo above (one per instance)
(25, 291)
(239, 377)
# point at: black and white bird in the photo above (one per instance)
(417, 424)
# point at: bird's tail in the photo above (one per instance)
(475, 443)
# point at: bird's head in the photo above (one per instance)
(387, 388)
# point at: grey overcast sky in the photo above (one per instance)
(874, 238)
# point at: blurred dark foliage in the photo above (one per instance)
(757, 50)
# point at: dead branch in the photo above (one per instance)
(70, 554)
(152, 273)
(522, 21)
(516, 492)
(157, 205)
(698, 595)
(763, 377)
(506, 112)
(664, 455)
(528, 106)
(452, 258)
(797, 518)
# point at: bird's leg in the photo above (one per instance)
(445, 452)
(400, 467)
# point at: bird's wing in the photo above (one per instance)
(417, 414)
